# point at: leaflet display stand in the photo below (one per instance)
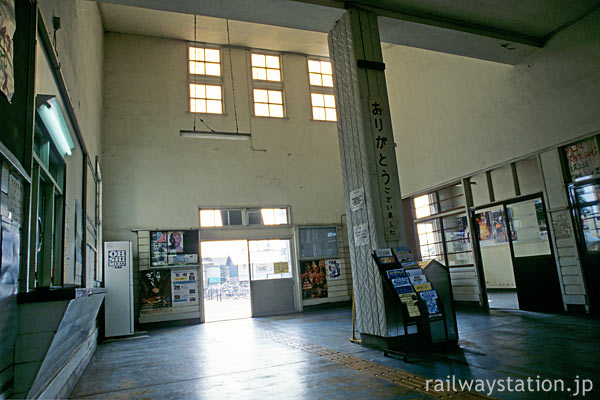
(423, 294)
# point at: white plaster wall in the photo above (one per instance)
(153, 178)
(453, 116)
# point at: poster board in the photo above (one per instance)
(174, 248)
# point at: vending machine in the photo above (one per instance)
(118, 267)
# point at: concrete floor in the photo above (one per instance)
(290, 357)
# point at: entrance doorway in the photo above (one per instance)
(226, 277)
(245, 278)
(516, 255)
(586, 201)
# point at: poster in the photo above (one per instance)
(158, 247)
(175, 242)
(499, 227)
(357, 199)
(361, 234)
(7, 30)
(313, 276)
(185, 286)
(485, 227)
(334, 270)
(156, 289)
(583, 160)
(281, 267)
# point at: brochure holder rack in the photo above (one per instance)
(434, 324)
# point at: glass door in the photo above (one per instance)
(272, 283)
(494, 248)
(226, 280)
(586, 201)
(535, 271)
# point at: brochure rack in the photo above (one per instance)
(423, 294)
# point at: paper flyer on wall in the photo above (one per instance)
(185, 287)
(357, 199)
(334, 269)
(385, 256)
(281, 267)
(158, 243)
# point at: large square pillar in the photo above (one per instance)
(369, 170)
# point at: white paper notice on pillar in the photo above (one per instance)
(357, 199)
(387, 170)
(361, 234)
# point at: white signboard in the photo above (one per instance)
(583, 159)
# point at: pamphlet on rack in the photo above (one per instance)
(418, 279)
(413, 272)
(422, 287)
(385, 256)
(430, 296)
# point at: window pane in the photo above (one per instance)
(274, 216)
(212, 55)
(235, 217)
(276, 110)
(319, 113)
(273, 75)
(330, 114)
(213, 69)
(213, 92)
(197, 91)
(214, 107)
(258, 60)
(315, 79)
(198, 106)
(196, 53)
(317, 100)
(272, 62)
(329, 101)
(326, 67)
(314, 66)
(261, 96)
(327, 80)
(270, 259)
(210, 218)
(259, 74)
(275, 97)
(261, 110)
(197, 67)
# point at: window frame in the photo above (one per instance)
(203, 79)
(245, 217)
(323, 90)
(266, 85)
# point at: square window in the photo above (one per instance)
(265, 67)
(268, 103)
(204, 61)
(206, 98)
(320, 73)
(323, 107)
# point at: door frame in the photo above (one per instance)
(475, 242)
(276, 232)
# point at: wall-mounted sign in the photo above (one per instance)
(361, 234)
(387, 171)
(583, 159)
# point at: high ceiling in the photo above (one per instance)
(497, 30)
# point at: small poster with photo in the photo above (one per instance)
(185, 286)
(334, 270)
(158, 247)
(385, 256)
(175, 244)
(418, 279)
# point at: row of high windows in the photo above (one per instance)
(206, 86)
